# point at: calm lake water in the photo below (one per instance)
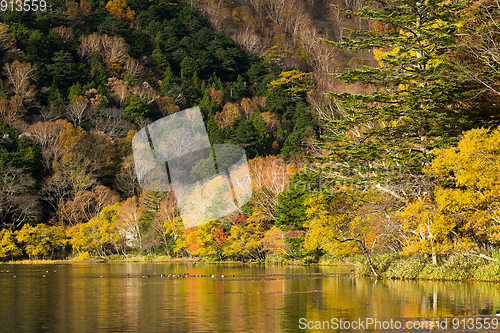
(117, 298)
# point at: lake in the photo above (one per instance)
(120, 297)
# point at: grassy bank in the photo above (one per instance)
(452, 268)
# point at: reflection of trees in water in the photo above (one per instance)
(432, 298)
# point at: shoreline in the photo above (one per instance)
(455, 268)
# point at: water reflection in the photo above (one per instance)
(117, 298)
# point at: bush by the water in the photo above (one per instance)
(455, 267)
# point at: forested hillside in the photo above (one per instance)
(371, 167)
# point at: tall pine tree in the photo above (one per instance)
(415, 106)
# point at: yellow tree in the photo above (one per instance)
(228, 114)
(41, 239)
(337, 225)
(295, 82)
(274, 241)
(8, 244)
(120, 10)
(200, 240)
(100, 235)
(469, 188)
(246, 237)
(174, 231)
(429, 231)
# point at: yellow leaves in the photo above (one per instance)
(275, 54)
(246, 237)
(474, 168)
(475, 162)
(294, 82)
(378, 53)
(8, 245)
(69, 138)
(274, 241)
(429, 231)
(99, 235)
(334, 232)
(228, 114)
(174, 228)
(12, 111)
(6, 39)
(466, 210)
(120, 10)
(200, 240)
(40, 239)
(83, 256)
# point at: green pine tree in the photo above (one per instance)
(414, 108)
(262, 133)
(159, 59)
(75, 90)
(168, 81)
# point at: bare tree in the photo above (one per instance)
(277, 10)
(113, 47)
(129, 218)
(107, 47)
(119, 89)
(46, 135)
(250, 41)
(110, 121)
(142, 122)
(269, 178)
(126, 180)
(86, 205)
(66, 33)
(19, 75)
(133, 67)
(75, 111)
(17, 206)
(479, 52)
(147, 95)
(89, 45)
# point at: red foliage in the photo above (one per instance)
(220, 237)
(239, 219)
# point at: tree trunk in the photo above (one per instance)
(362, 246)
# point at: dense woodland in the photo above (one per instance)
(400, 156)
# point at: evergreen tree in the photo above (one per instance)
(56, 100)
(414, 108)
(214, 132)
(99, 77)
(277, 100)
(38, 47)
(262, 133)
(159, 60)
(168, 81)
(247, 136)
(238, 90)
(75, 90)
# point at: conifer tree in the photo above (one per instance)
(415, 106)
